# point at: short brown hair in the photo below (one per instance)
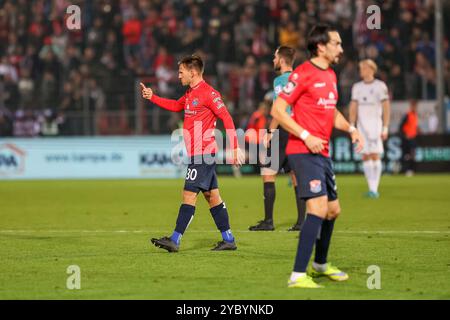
(192, 62)
(287, 53)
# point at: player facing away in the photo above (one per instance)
(370, 110)
(202, 105)
(283, 61)
(312, 92)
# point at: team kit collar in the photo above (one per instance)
(198, 85)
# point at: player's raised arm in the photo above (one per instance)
(279, 113)
(168, 104)
(342, 124)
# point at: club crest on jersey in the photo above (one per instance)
(289, 87)
(315, 186)
(195, 102)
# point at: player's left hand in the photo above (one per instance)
(358, 140)
(238, 157)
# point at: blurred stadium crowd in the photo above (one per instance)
(52, 78)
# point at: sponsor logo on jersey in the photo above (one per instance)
(315, 186)
(190, 112)
(329, 103)
(319, 84)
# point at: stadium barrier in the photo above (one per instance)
(432, 155)
(88, 158)
(152, 157)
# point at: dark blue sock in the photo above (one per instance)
(308, 236)
(220, 216)
(185, 215)
(323, 243)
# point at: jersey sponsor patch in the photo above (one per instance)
(315, 186)
(319, 84)
(289, 87)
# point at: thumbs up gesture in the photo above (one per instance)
(147, 93)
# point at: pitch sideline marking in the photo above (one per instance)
(235, 231)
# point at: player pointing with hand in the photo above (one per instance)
(202, 105)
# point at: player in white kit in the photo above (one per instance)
(370, 110)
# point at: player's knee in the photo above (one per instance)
(213, 198)
(207, 196)
(189, 198)
(317, 206)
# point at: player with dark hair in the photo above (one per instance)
(202, 105)
(312, 93)
(283, 62)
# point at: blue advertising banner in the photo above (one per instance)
(85, 158)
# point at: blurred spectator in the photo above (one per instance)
(132, 32)
(409, 129)
(6, 123)
(122, 40)
(25, 124)
(10, 94)
(26, 90)
(258, 121)
(49, 123)
(249, 91)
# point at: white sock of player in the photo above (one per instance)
(377, 169)
(368, 172)
(296, 275)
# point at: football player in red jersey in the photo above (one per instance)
(312, 92)
(202, 105)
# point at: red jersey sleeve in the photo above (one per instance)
(169, 104)
(217, 106)
(294, 88)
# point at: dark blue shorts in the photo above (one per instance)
(201, 177)
(315, 176)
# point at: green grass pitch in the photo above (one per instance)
(104, 228)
